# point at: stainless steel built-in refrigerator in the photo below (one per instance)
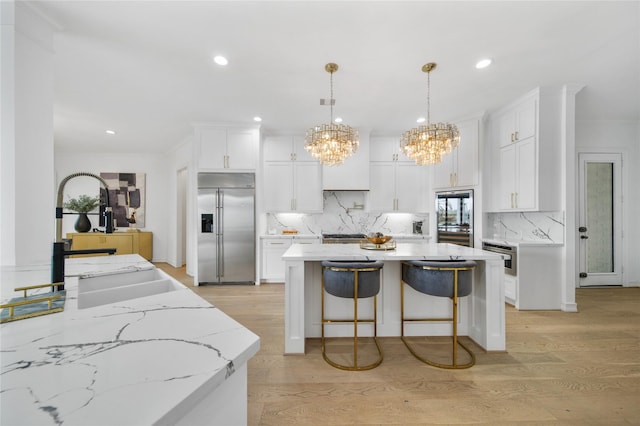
(226, 233)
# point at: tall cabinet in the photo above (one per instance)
(292, 178)
(526, 145)
(461, 167)
(397, 183)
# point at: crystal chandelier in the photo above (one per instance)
(427, 144)
(331, 143)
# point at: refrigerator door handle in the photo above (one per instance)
(221, 233)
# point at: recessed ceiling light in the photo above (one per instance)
(258, 119)
(110, 132)
(421, 120)
(483, 63)
(338, 120)
(220, 60)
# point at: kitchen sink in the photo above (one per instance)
(119, 287)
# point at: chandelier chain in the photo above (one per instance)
(428, 97)
(331, 98)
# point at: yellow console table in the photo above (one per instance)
(129, 242)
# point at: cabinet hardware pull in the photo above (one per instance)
(512, 137)
(517, 136)
(455, 179)
(516, 197)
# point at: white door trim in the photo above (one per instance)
(615, 277)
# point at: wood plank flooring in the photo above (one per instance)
(559, 369)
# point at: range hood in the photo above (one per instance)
(353, 174)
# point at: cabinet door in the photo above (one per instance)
(466, 155)
(411, 193)
(242, 149)
(278, 186)
(507, 177)
(526, 120)
(272, 263)
(299, 153)
(507, 128)
(443, 171)
(213, 148)
(383, 149)
(277, 148)
(382, 193)
(307, 178)
(123, 243)
(526, 175)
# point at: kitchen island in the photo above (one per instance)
(167, 358)
(482, 314)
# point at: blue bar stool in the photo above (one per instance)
(452, 279)
(356, 280)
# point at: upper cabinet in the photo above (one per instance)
(460, 167)
(228, 148)
(518, 123)
(397, 183)
(292, 178)
(353, 174)
(526, 144)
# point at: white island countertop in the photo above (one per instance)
(403, 251)
(149, 360)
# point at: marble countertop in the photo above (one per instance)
(142, 361)
(403, 251)
(522, 243)
(291, 235)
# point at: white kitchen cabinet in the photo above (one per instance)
(527, 159)
(353, 174)
(460, 167)
(518, 176)
(397, 187)
(537, 285)
(285, 148)
(518, 123)
(387, 149)
(292, 183)
(273, 268)
(220, 147)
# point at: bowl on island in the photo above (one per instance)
(378, 239)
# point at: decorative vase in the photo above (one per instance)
(83, 224)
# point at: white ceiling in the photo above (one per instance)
(145, 68)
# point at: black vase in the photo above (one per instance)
(83, 224)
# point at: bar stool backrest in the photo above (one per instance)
(436, 278)
(339, 277)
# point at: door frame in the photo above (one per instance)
(615, 278)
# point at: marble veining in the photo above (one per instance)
(526, 226)
(131, 362)
(345, 212)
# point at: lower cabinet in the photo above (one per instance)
(138, 242)
(538, 283)
(272, 250)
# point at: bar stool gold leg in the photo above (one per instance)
(454, 364)
(355, 320)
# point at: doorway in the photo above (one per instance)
(181, 217)
(600, 219)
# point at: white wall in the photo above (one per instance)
(27, 219)
(623, 137)
(180, 204)
(159, 199)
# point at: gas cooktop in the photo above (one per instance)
(344, 236)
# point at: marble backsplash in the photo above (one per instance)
(529, 226)
(345, 212)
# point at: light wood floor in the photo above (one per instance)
(559, 369)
